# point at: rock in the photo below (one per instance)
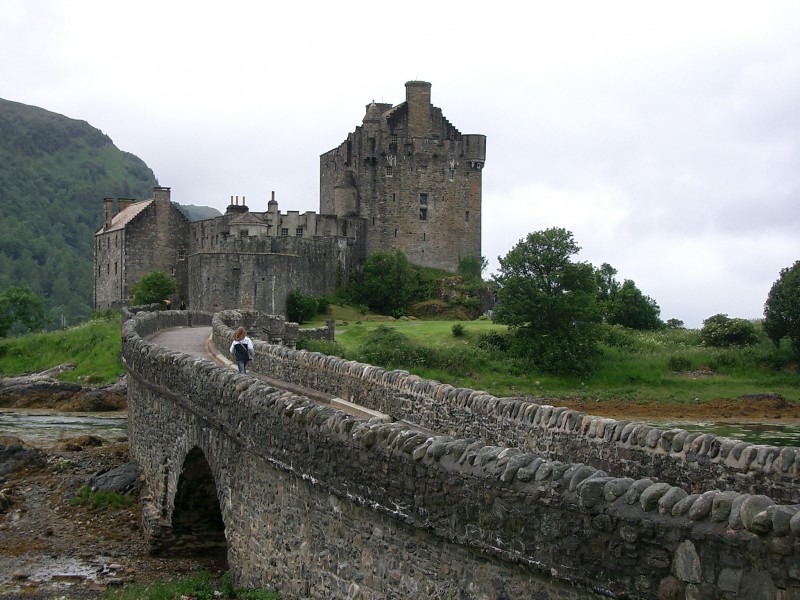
(16, 455)
(121, 479)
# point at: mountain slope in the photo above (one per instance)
(54, 173)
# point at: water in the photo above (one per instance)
(43, 428)
(770, 434)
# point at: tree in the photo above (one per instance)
(389, 284)
(21, 308)
(152, 288)
(721, 331)
(549, 302)
(300, 307)
(782, 308)
(630, 308)
(607, 285)
(472, 266)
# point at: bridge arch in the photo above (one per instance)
(198, 528)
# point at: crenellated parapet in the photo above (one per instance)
(324, 504)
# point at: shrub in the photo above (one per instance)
(678, 364)
(458, 330)
(300, 308)
(722, 331)
(494, 341)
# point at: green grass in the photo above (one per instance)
(665, 366)
(198, 587)
(100, 500)
(94, 347)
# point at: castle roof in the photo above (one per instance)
(125, 216)
(246, 218)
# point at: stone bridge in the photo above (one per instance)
(326, 478)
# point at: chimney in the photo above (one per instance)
(123, 203)
(161, 195)
(108, 212)
(418, 99)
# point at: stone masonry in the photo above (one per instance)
(323, 504)
(404, 179)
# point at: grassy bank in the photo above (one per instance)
(94, 347)
(665, 366)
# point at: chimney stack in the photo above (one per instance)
(108, 212)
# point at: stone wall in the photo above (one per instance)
(322, 504)
(691, 461)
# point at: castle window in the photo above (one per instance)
(395, 233)
(389, 171)
(284, 231)
(394, 196)
(115, 267)
(466, 216)
(181, 255)
(423, 213)
(298, 232)
(424, 236)
(393, 138)
(423, 199)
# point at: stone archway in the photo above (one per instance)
(197, 525)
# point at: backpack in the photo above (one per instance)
(240, 352)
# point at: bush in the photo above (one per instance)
(458, 330)
(153, 288)
(494, 341)
(300, 308)
(721, 331)
(678, 364)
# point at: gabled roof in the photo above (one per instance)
(247, 218)
(125, 216)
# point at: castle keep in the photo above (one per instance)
(404, 179)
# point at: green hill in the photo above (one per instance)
(54, 173)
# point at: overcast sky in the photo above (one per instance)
(664, 135)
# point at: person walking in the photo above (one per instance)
(242, 349)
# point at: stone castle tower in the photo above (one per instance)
(413, 177)
(405, 179)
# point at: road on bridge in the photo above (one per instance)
(196, 341)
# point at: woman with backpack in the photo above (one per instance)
(242, 349)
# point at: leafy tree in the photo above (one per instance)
(21, 308)
(674, 324)
(782, 309)
(300, 307)
(721, 331)
(389, 283)
(550, 302)
(630, 308)
(152, 288)
(607, 285)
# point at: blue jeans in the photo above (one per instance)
(242, 366)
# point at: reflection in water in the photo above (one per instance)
(47, 427)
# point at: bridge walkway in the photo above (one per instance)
(197, 341)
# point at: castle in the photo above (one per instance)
(404, 179)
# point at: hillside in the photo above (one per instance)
(54, 173)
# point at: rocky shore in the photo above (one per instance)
(53, 547)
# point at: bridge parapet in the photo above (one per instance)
(693, 461)
(340, 506)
